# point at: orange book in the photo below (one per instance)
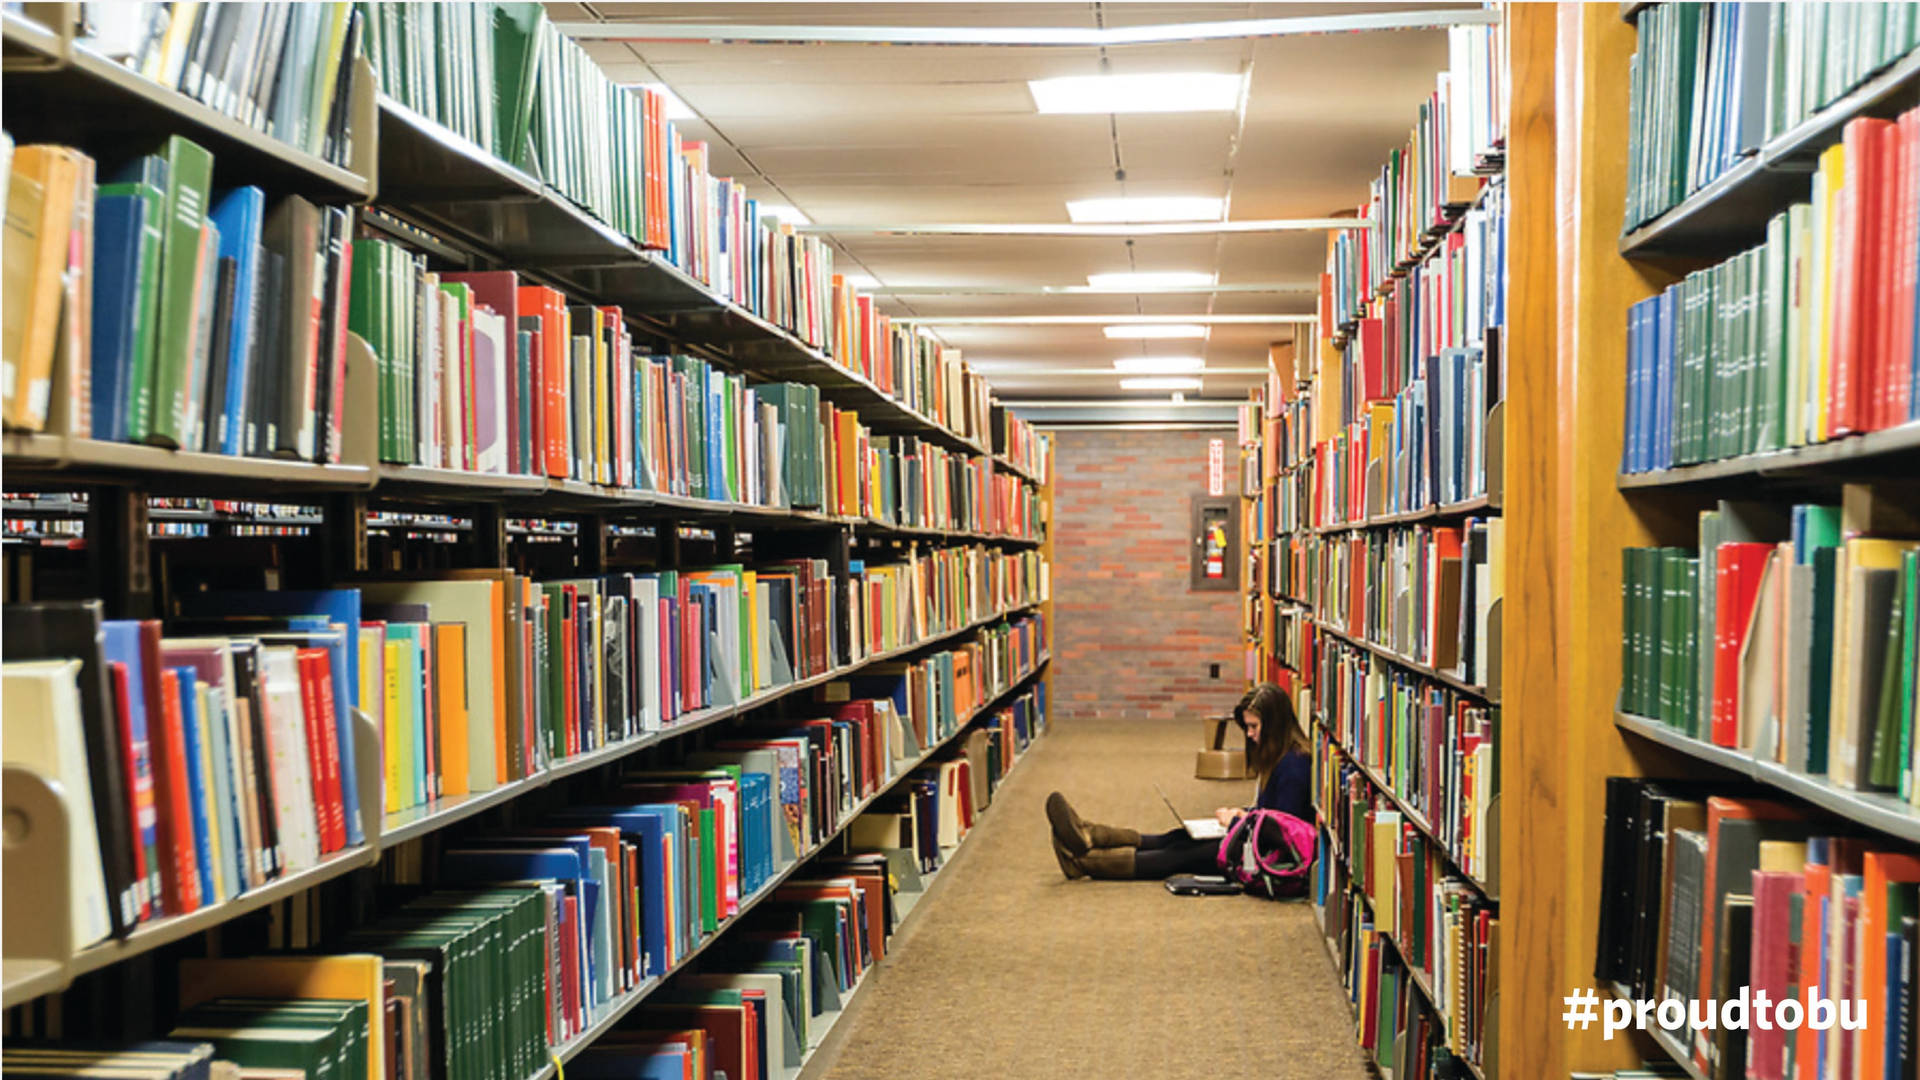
(555, 376)
(353, 976)
(1880, 870)
(40, 198)
(847, 462)
(450, 694)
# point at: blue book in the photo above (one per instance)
(238, 216)
(340, 608)
(618, 1063)
(120, 644)
(716, 428)
(653, 828)
(756, 809)
(197, 792)
(119, 230)
(1665, 380)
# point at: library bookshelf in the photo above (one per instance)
(142, 529)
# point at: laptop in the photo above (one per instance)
(1205, 828)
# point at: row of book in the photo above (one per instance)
(1017, 441)
(1709, 892)
(1424, 592)
(511, 942)
(1425, 184)
(612, 150)
(1433, 746)
(1415, 946)
(283, 71)
(480, 372)
(1789, 633)
(152, 308)
(1712, 83)
(221, 753)
(1809, 337)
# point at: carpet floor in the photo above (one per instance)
(1008, 970)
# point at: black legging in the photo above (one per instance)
(1162, 855)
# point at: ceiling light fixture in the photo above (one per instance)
(1130, 208)
(788, 215)
(863, 282)
(1163, 332)
(1159, 365)
(1150, 279)
(1098, 320)
(1161, 92)
(1160, 383)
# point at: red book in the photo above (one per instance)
(1772, 966)
(323, 753)
(1737, 571)
(1905, 269)
(570, 965)
(1860, 244)
(1721, 809)
(1368, 353)
(117, 685)
(180, 874)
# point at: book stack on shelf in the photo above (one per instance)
(1768, 615)
(379, 638)
(1385, 575)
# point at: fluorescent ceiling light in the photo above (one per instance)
(788, 215)
(676, 109)
(1162, 332)
(1159, 365)
(1158, 93)
(1160, 383)
(1150, 279)
(1130, 208)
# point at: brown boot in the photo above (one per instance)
(1112, 836)
(1069, 832)
(1108, 864)
(1068, 862)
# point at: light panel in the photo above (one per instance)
(1163, 92)
(1150, 279)
(1160, 383)
(676, 109)
(1131, 208)
(1159, 365)
(788, 215)
(1164, 332)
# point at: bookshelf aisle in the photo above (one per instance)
(565, 577)
(1381, 547)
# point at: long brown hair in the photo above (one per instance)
(1279, 731)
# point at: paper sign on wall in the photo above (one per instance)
(1216, 467)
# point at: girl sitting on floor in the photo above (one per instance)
(1277, 755)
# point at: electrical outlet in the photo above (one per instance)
(1213, 671)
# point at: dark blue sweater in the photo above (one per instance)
(1288, 787)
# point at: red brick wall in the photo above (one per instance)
(1130, 640)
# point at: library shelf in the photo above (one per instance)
(1665, 1040)
(1414, 973)
(1479, 504)
(1439, 675)
(1889, 451)
(1408, 811)
(402, 825)
(626, 1002)
(37, 459)
(1876, 810)
(1731, 212)
(68, 93)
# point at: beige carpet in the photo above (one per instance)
(1008, 970)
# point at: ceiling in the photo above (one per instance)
(890, 134)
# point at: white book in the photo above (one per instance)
(490, 352)
(40, 714)
(292, 774)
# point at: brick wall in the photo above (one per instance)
(1130, 640)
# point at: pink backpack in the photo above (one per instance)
(1269, 853)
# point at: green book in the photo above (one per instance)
(1820, 663)
(346, 1019)
(189, 175)
(146, 319)
(1886, 765)
(1908, 595)
(516, 70)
